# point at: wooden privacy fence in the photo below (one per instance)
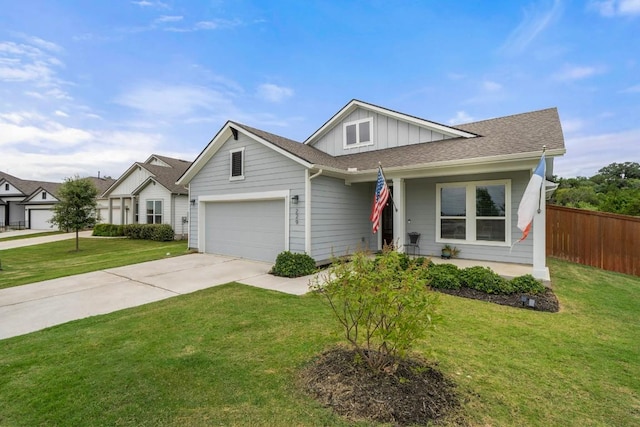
(599, 239)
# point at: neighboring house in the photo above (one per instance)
(255, 194)
(147, 193)
(29, 204)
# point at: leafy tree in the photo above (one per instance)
(77, 205)
(619, 174)
(383, 306)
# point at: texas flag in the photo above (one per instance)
(530, 203)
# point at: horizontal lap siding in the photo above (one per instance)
(340, 218)
(421, 210)
(387, 133)
(264, 170)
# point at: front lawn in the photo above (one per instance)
(57, 259)
(230, 355)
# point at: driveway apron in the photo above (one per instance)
(29, 308)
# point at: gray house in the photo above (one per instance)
(29, 204)
(254, 194)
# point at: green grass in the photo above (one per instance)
(28, 236)
(229, 355)
(57, 259)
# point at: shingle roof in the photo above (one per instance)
(303, 151)
(27, 187)
(167, 176)
(510, 135)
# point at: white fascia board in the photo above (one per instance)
(350, 107)
(206, 154)
(503, 163)
(274, 147)
(145, 183)
(216, 143)
(121, 178)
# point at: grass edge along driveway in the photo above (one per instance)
(229, 356)
(47, 261)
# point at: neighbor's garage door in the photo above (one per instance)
(39, 218)
(252, 229)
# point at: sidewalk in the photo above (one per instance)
(19, 243)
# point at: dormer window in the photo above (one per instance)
(358, 133)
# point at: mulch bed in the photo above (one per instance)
(415, 393)
(544, 302)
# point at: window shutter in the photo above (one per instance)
(236, 163)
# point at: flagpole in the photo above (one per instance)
(390, 194)
(544, 178)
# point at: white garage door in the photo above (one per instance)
(248, 229)
(39, 218)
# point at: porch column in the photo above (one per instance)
(121, 210)
(110, 210)
(540, 269)
(399, 216)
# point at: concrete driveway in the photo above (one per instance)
(29, 308)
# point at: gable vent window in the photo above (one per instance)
(6, 187)
(44, 195)
(358, 133)
(237, 164)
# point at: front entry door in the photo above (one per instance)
(387, 222)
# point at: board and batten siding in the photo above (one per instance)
(265, 170)
(421, 210)
(388, 132)
(125, 188)
(340, 218)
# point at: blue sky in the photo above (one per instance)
(88, 86)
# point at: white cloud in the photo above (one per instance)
(576, 72)
(173, 100)
(274, 93)
(20, 128)
(461, 117)
(156, 4)
(612, 8)
(536, 20)
(491, 86)
(166, 18)
(60, 113)
(43, 44)
(572, 125)
(632, 89)
(587, 154)
(216, 24)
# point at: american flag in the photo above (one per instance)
(379, 200)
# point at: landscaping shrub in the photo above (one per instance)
(485, 280)
(383, 308)
(444, 276)
(107, 230)
(158, 232)
(289, 264)
(527, 284)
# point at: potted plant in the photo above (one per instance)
(449, 251)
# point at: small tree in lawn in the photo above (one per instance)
(77, 205)
(383, 306)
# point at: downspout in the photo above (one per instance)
(307, 210)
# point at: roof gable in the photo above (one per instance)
(164, 170)
(354, 104)
(284, 146)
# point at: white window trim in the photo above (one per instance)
(241, 176)
(154, 214)
(357, 123)
(471, 212)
